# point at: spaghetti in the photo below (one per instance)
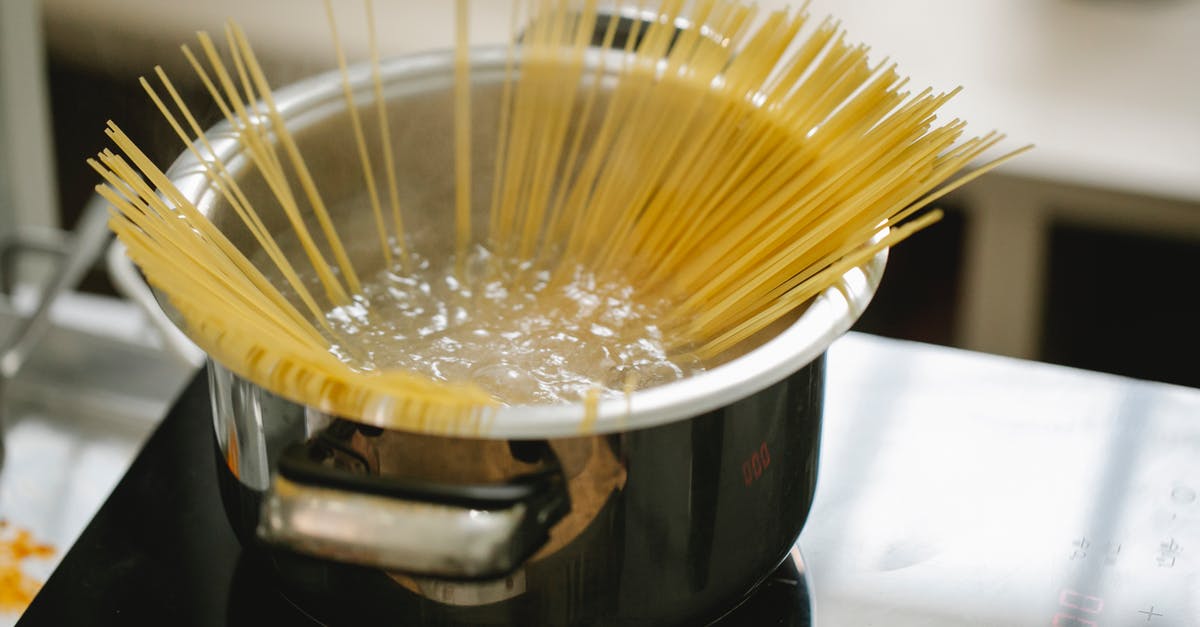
(718, 165)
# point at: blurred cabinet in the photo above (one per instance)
(1122, 302)
(27, 193)
(1081, 276)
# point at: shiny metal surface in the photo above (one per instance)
(252, 426)
(962, 489)
(783, 599)
(86, 244)
(386, 532)
(668, 524)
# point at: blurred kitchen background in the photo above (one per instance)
(1078, 253)
(1084, 252)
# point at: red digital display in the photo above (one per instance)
(1078, 609)
(754, 467)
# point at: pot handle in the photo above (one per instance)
(419, 527)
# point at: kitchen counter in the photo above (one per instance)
(955, 489)
(73, 419)
(965, 489)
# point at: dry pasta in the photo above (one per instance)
(717, 160)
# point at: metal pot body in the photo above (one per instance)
(667, 510)
(672, 524)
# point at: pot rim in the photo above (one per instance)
(828, 316)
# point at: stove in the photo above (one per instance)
(954, 489)
(783, 599)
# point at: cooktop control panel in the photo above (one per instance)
(1005, 493)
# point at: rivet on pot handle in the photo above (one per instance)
(418, 527)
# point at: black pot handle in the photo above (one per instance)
(410, 525)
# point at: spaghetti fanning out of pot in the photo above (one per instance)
(655, 201)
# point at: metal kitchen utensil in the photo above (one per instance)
(87, 242)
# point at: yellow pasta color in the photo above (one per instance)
(728, 164)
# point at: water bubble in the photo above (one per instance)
(504, 380)
(600, 330)
(449, 369)
(508, 329)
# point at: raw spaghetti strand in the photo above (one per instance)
(252, 102)
(462, 138)
(151, 215)
(545, 167)
(732, 337)
(360, 139)
(551, 230)
(506, 107)
(521, 131)
(385, 134)
(259, 152)
(585, 182)
(234, 196)
(298, 164)
(719, 171)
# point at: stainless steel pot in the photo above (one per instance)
(669, 509)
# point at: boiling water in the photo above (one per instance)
(515, 332)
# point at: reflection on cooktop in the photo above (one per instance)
(784, 599)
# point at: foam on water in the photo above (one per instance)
(515, 332)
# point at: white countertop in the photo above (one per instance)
(960, 489)
(1107, 89)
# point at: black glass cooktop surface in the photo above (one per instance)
(160, 551)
